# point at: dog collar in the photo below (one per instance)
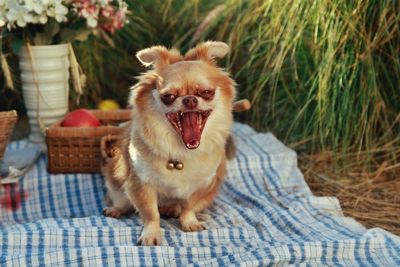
(174, 164)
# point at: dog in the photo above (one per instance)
(171, 159)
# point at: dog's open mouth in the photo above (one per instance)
(189, 125)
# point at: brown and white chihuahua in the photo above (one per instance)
(172, 159)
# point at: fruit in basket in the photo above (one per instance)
(108, 104)
(80, 118)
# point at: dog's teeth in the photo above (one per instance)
(179, 125)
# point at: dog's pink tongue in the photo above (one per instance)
(191, 130)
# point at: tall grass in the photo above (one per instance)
(323, 71)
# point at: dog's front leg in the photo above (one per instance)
(189, 221)
(200, 200)
(144, 199)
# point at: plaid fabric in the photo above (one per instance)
(264, 215)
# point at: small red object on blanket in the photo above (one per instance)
(11, 197)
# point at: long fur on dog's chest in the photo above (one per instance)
(197, 173)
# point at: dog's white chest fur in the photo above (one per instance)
(181, 184)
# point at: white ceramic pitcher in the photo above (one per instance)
(45, 86)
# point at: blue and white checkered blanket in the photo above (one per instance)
(265, 215)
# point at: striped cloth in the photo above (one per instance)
(264, 215)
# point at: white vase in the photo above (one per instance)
(45, 86)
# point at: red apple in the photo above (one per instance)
(80, 118)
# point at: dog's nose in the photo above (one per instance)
(190, 102)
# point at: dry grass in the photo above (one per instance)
(368, 194)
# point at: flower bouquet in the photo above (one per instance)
(45, 22)
(40, 32)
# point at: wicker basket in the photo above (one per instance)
(7, 121)
(77, 149)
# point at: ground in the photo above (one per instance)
(371, 197)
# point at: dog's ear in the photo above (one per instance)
(158, 56)
(208, 51)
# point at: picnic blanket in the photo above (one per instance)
(265, 214)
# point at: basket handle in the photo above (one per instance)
(241, 105)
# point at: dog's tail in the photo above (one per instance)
(230, 146)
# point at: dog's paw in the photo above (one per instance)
(171, 211)
(193, 226)
(150, 238)
(111, 212)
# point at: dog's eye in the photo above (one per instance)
(168, 99)
(206, 94)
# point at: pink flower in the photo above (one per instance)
(87, 9)
(106, 15)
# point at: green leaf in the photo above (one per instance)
(68, 35)
(52, 28)
(16, 45)
(83, 35)
(42, 39)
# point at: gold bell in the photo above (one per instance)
(170, 165)
(179, 165)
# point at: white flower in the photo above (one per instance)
(17, 14)
(43, 19)
(34, 5)
(61, 12)
(91, 21)
(57, 10)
